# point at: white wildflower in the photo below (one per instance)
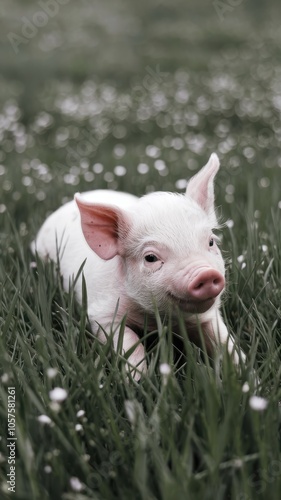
(245, 387)
(58, 394)
(80, 413)
(76, 484)
(55, 406)
(5, 378)
(230, 223)
(131, 410)
(258, 403)
(44, 419)
(165, 369)
(51, 372)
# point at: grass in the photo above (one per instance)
(174, 86)
(189, 433)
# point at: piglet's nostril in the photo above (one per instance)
(207, 284)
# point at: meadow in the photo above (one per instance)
(135, 97)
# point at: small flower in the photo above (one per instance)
(78, 427)
(58, 394)
(131, 410)
(55, 406)
(258, 403)
(44, 419)
(230, 223)
(165, 369)
(245, 387)
(5, 378)
(51, 372)
(76, 484)
(80, 413)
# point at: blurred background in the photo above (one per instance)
(135, 96)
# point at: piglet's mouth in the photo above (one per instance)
(192, 306)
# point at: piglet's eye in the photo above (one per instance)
(211, 242)
(151, 258)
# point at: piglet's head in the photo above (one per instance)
(166, 241)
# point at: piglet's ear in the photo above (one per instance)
(101, 225)
(201, 187)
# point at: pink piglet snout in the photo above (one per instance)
(206, 285)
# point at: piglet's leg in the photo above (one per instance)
(216, 330)
(137, 358)
(136, 363)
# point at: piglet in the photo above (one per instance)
(157, 250)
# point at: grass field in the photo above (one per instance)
(135, 97)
